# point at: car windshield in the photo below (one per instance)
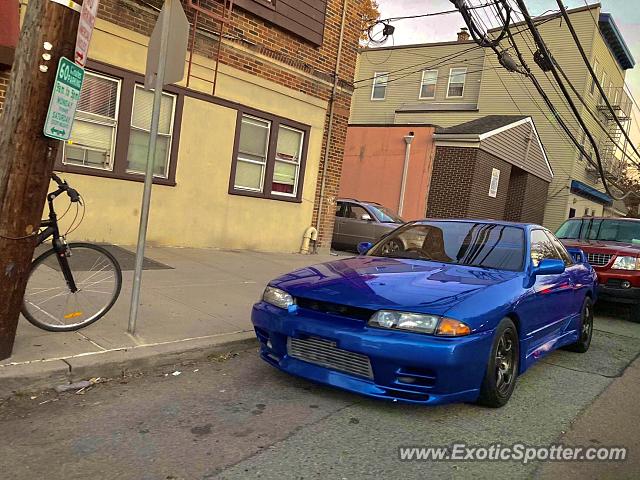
(613, 230)
(384, 215)
(461, 243)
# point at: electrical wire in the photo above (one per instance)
(594, 78)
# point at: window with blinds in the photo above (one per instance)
(270, 159)
(287, 161)
(252, 153)
(457, 78)
(93, 136)
(428, 84)
(140, 131)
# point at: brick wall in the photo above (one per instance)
(250, 32)
(516, 194)
(4, 83)
(451, 182)
(460, 188)
(481, 205)
(535, 200)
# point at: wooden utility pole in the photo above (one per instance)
(26, 155)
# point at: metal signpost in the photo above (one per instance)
(165, 64)
(64, 100)
(85, 30)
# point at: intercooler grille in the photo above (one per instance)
(325, 353)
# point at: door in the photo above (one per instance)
(357, 226)
(341, 209)
(553, 296)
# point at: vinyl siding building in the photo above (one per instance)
(423, 87)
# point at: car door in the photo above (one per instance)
(338, 239)
(578, 272)
(553, 296)
(357, 226)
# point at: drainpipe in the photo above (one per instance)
(331, 109)
(405, 170)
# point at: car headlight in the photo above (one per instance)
(418, 322)
(626, 263)
(277, 297)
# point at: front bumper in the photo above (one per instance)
(608, 293)
(407, 367)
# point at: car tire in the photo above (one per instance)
(634, 313)
(502, 366)
(586, 328)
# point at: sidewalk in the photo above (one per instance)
(194, 302)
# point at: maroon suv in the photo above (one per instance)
(612, 246)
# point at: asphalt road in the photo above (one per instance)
(238, 418)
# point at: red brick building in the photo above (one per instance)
(256, 107)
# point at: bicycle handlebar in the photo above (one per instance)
(63, 186)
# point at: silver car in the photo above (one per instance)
(358, 222)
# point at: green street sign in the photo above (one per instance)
(64, 100)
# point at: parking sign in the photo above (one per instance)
(64, 100)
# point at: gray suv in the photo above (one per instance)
(358, 222)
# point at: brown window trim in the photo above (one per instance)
(268, 177)
(129, 80)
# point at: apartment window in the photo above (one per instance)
(287, 161)
(269, 157)
(428, 84)
(592, 85)
(110, 134)
(457, 77)
(379, 89)
(140, 131)
(93, 135)
(603, 83)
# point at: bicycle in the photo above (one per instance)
(71, 285)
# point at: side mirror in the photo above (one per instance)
(549, 266)
(366, 217)
(364, 247)
(578, 255)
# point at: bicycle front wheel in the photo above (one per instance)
(49, 302)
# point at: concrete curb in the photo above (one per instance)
(41, 375)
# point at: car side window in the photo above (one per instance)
(542, 247)
(564, 255)
(340, 209)
(357, 212)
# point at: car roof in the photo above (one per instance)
(482, 220)
(354, 200)
(626, 219)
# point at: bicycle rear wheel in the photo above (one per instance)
(50, 304)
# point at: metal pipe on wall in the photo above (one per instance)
(405, 170)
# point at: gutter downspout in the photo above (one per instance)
(331, 109)
(405, 170)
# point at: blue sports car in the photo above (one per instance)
(437, 311)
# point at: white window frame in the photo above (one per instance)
(422, 84)
(240, 158)
(592, 85)
(170, 134)
(374, 84)
(603, 81)
(464, 83)
(297, 164)
(114, 134)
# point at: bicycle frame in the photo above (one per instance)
(58, 242)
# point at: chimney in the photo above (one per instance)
(463, 34)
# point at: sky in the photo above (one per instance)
(626, 14)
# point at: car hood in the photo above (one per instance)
(377, 283)
(603, 246)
